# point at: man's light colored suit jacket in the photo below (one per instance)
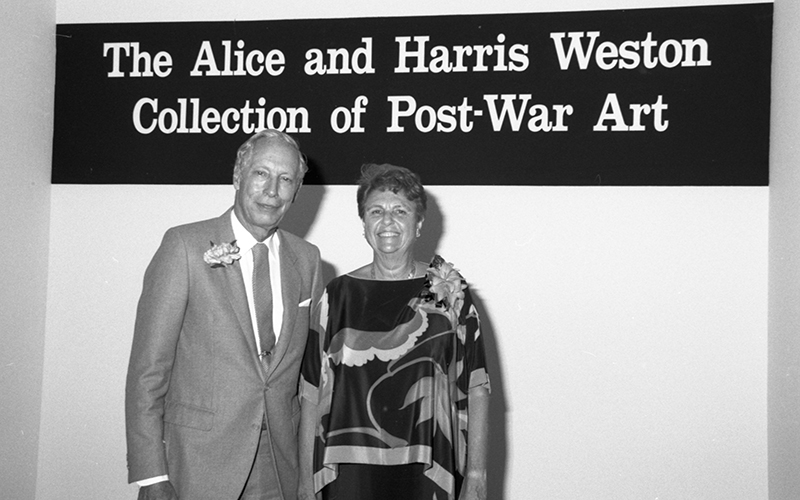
(196, 391)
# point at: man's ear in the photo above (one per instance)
(236, 177)
(297, 190)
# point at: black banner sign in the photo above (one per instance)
(670, 96)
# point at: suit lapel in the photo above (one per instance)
(235, 291)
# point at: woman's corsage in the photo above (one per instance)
(222, 255)
(444, 284)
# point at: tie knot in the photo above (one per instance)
(260, 251)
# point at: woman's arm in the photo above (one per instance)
(474, 487)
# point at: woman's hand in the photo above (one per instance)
(474, 487)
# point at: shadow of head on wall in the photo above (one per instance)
(301, 216)
(431, 232)
(306, 206)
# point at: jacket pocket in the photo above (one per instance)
(188, 416)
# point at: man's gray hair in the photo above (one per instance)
(245, 151)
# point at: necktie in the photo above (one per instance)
(262, 297)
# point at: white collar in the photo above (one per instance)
(245, 241)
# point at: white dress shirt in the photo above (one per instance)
(246, 242)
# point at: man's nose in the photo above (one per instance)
(271, 186)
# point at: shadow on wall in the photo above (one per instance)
(498, 453)
(301, 216)
(426, 248)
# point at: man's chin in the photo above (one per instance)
(268, 213)
(269, 222)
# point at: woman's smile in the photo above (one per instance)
(390, 222)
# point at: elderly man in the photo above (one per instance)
(211, 405)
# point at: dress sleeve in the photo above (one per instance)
(471, 372)
(311, 371)
(475, 372)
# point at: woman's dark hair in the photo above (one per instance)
(386, 177)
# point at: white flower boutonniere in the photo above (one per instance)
(222, 255)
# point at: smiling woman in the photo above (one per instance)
(397, 371)
(391, 226)
(391, 204)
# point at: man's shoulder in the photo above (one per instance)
(298, 244)
(294, 240)
(202, 228)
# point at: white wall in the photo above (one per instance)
(27, 72)
(627, 326)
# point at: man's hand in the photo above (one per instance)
(158, 491)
